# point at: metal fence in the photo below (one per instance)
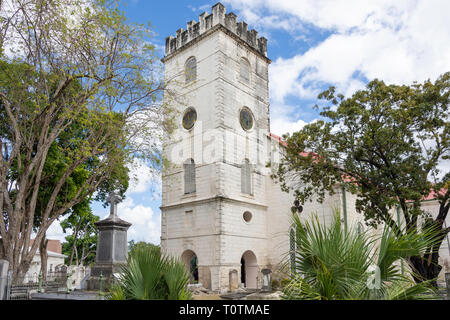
(21, 288)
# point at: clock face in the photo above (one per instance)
(246, 119)
(189, 118)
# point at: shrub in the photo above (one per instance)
(151, 276)
(331, 263)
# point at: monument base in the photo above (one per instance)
(93, 283)
(107, 272)
(107, 269)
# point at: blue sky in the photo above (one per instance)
(312, 44)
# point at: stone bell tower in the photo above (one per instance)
(214, 206)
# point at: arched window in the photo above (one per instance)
(189, 176)
(246, 177)
(244, 70)
(190, 69)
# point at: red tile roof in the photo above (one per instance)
(53, 245)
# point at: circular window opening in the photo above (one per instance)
(189, 118)
(247, 216)
(246, 119)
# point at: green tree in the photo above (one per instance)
(332, 263)
(133, 246)
(82, 243)
(384, 144)
(54, 168)
(79, 89)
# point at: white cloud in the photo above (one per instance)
(55, 232)
(141, 177)
(145, 224)
(201, 8)
(444, 167)
(280, 126)
(339, 15)
(397, 41)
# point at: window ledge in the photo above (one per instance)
(189, 195)
(247, 84)
(246, 195)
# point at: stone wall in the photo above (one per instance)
(217, 18)
(210, 221)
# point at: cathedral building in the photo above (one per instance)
(222, 213)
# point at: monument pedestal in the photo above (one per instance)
(112, 250)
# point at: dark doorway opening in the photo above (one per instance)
(243, 271)
(194, 268)
(190, 260)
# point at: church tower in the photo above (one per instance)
(214, 209)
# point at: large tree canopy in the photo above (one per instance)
(79, 89)
(385, 144)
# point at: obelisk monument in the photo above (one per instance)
(112, 246)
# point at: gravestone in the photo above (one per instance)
(266, 286)
(112, 247)
(233, 280)
(3, 278)
(204, 276)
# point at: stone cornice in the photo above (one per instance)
(211, 199)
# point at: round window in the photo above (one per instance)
(247, 216)
(246, 119)
(189, 118)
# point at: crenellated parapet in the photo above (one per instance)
(206, 22)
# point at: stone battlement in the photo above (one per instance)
(206, 22)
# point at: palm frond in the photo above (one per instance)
(332, 263)
(150, 276)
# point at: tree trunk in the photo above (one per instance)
(75, 235)
(82, 256)
(427, 268)
(44, 256)
(76, 255)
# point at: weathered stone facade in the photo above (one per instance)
(209, 222)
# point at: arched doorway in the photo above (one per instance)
(249, 270)
(190, 260)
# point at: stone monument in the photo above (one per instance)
(112, 246)
(3, 278)
(267, 279)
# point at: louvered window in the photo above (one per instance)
(190, 69)
(246, 178)
(189, 176)
(245, 70)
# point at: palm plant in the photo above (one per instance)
(332, 263)
(151, 276)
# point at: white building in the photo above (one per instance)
(219, 203)
(220, 208)
(55, 261)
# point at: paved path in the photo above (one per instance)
(74, 295)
